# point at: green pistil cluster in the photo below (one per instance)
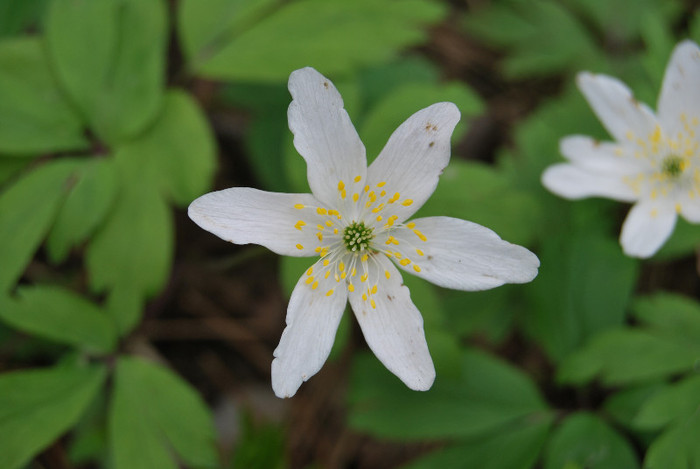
(357, 236)
(672, 166)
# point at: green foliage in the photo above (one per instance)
(60, 315)
(585, 441)
(153, 412)
(263, 41)
(17, 15)
(485, 397)
(38, 406)
(35, 115)
(110, 58)
(29, 206)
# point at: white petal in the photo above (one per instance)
(680, 93)
(414, 157)
(616, 108)
(459, 254)
(312, 321)
(647, 227)
(572, 182)
(393, 328)
(606, 157)
(690, 209)
(324, 134)
(243, 215)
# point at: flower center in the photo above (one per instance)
(357, 236)
(673, 166)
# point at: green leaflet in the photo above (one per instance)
(110, 57)
(27, 209)
(154, 412)
(35, 116)
(239, 40)
(62, 316)
(37, 406)
(585, 441)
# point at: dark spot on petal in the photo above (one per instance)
(430, 145)
(325, 84)
(430, 258)
(596, 143)
(390, 298)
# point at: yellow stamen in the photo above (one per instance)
(309, 280)
(299, 224)
(405, 261)
(314, 286)
(407, 202)
(357, 178)
(329, 292)
(300, 247)
(298, 206)
(387, 274)
(321, 211)
(341, 185)
(351, 287)
(416, 268)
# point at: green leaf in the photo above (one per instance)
(180, 149)
(625, 356)
(34, 114)
(17, 15)
(573, 298)
(60, 315)
(37, 406)
(133, 249)
(403, 101)
(334, 36)
(677, 402)
(623, 406)
(85, 208)
(671, 315)
(27, 209)
(259, 446)
(487, 395)
(585, 441)
(9, 167)
(542, 37)
(154, 412)
(514, 447)
(676, 448)
(484, 195)
(110, 57)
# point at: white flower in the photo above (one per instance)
(355, 223)
(654, 161)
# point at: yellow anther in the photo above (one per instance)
(407, 202)
(343, 275)
(366, 188)
(364, 296)
(405, 261)
(410, 225)
(387, 274)
(364, 258)
(318, 249)
(358, 178)
(419, 252)
(374, 305)
(336, 277)
(299, 206)
(396, 197)
(374, 289)
(341, 266)
(379, 218)
(314, 286)
(335, 230)
(353, 272)
(299, 224)
(326, 262)
(398, 255)
(678, 208)
(300, 247)
(420, 235)
(381, 184)
(416, 268)
(382, 193)
(364, 277)
(655, 136)
(343, 194)
(310, 280)
(333, 212)
(328, 274)
(310, 270)
(329, 292)
(372, 196)
(378, 208)
(319, 235)
(321, 211)
(329, 223)
(351, 287)
(394, 241)
(355, 197)
(320, 227)
(341, 185)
